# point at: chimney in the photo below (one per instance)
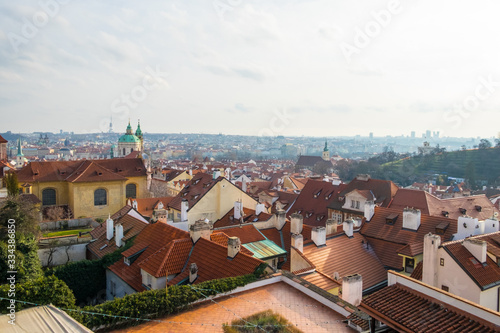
(279, 219)
(216, 174)
(477, 248)
(466, 227)
(200, 228)
(244, 186)
(430, 265)
(109, 228)
(336, 181)
(352, 289)
(296, 223)
(259, 208)
(363, 177)
(184, 210)
(491, 225)
(238, 208)
(369, 210)
(233, 247)
(191, 172)
(193, 272)
(348, 227)
(134, 204)
(119, 235)
(411, 218)
(331, 226)
(298, 242)
(318, 236)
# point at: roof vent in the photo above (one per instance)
(391, 219)
(445, 213)
(463, 211)
(478, 208)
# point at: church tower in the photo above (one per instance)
(326, 153)
(20, 155)
(128, 143)
(138, 133)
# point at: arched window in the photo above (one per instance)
(48, 197)
(124, 152)
(100, 197)
(131, 191)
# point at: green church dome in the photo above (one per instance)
(129, 138)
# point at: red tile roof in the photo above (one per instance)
(426, 202)
(384, 191)
(246, 233)
(50, 171)
(407, 310)
(2, 140)
(146, 206)
(213, 263)
(389, 239)
(484, 275)
(221, 238)
(168, 260)
(321, 280)
(417, 272)
(131, 227)
(156, 236)
(194, 190)
(313, 201)
(347, 256)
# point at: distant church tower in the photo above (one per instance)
(326, 153)
(20, 155)
(128, 143)
(138, 133)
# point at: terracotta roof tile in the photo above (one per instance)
(213, 263)
(417, 312)
(194, 190)
(221, 238)
(387, 252)
(146, 206)
(313, 201)
(248, 217)
(417, 272)
(246, 233)
(168, 260)
(347, 256)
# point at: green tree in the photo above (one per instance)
(484, 144)
(25, 214)
(470, 175)
(12, 184)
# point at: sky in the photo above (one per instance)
(274, 67)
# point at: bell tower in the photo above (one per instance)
(326, 153)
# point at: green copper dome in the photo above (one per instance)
(138, 132)
(130, 138)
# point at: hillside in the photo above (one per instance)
(475, 164)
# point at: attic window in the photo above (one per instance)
(35, 173)
(299, 211)
(255, 219)
(196, 181)
(463, 211)
(196, 196)
(184, 194)
(102, 247)
(138, 169)
(317, 194)
(99, 173)
(391, 219)
(206, 185)
(328, 196)
(478, 208)
(476, 263)
(319, 218)
(445, 213)
(308, 215)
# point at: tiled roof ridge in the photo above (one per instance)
(169, 247)
(78, 168)
(471, 237)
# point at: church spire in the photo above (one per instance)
(326, 146)
(19, 148)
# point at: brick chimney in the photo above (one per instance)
(369, 210)
(193, 272)
(119, 234)
(477, 248)
(298, 242)
(352, 289)
(349, 227)
(297, 221)
(279, 219)
(109, 228)
(200, 228)
(233, 247)
(184, 209)
(411, 218)
(318, 236)
(430, 259)
(331, 226)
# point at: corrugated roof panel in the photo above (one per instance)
(264, 249)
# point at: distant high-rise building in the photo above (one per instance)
(371, 135)
(413, 134)
(111, 125)
(435, 134)
(428, 134)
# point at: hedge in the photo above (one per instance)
(154, 303)
(86, 277)
(44, 290)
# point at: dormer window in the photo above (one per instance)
(308, 215)
(391, 219)
(445, 213)
(478, 208)
(463, 211)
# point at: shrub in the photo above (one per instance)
(44, 290)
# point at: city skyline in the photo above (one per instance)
(262, 68)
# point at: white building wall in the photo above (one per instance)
(490, 298)
(121, 288)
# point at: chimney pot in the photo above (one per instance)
(109, 228)
(233, 246)
(297, 221)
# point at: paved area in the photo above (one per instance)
(299, 309)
